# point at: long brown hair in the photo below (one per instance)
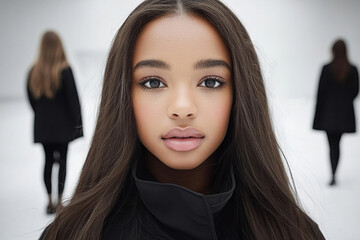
(45, 74)
(265, 206)
(340, 64)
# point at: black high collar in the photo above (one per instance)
(179, 210)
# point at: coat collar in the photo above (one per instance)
(180, 209)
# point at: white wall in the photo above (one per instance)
(292, 37)
(86, 27)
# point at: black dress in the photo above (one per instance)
(334, 107)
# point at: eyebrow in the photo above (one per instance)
(204, 63)
(209, 63)
(152, 63)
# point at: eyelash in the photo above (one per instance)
(219, 82)
(147, 80)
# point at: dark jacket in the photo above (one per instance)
(57, 120)
(334, 107)
(173, 212)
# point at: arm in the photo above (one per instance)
(29, 94)
(321, 88)
(321, 99)
(72, 97)
(355, 84)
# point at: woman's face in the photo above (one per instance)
(181, 90)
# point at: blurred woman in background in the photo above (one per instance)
(338, 87)
(54, 99)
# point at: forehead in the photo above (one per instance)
(180, 36)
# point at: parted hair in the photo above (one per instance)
(265, 204)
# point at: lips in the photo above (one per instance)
(183, 139)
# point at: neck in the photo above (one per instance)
(199, 179)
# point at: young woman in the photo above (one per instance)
(338, 87)
(54, 99)
(183, 147)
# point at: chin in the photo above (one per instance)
(182, 164)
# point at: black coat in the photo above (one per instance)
(172, 212)
(334, 107)
(57, 120)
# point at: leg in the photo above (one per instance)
(49, 162)
(334, 144)
(62, 149)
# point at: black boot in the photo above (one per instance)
(333, 181)
(50, 209)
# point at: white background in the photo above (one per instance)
(293, 40)
(292, 37)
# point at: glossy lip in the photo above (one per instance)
(183, 139)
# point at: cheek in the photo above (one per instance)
(219, 111)
(146, 115)
(140, 112)
(138, 108)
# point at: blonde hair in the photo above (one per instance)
(45, 75)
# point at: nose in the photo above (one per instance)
(182, 105)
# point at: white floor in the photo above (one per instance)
(23, 195)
